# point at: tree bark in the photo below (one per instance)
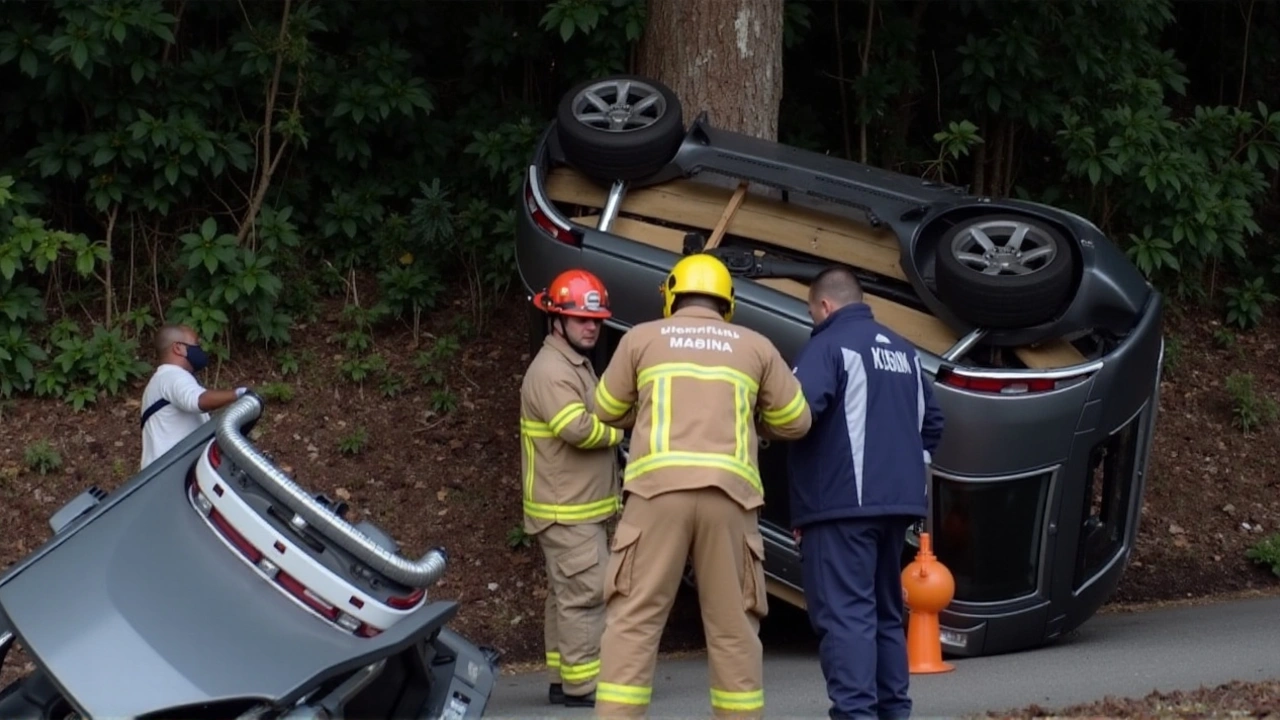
(721, 56)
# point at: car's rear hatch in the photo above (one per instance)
(144, 609)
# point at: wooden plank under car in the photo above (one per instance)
(762, 219)
(922, 329)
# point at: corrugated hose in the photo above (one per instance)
(421, 573)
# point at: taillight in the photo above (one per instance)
(243, 545)
(300, 591)
(215, 455)
(540, 216)
(407, 601)
(1003, 385)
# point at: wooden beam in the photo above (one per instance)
(921, 329)
(699, 205)
(786, 593)
(734, 203)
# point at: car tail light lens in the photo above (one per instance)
(407, 601)
(235, 538)
(1005, 385)
(300, 591)
(542, 218)
(215, 455)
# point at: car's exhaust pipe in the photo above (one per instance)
(418, 574)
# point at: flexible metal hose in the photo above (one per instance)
(421, 573)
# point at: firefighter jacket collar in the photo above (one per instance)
(564, 348)
(697, 311)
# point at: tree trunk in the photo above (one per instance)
(721, 56)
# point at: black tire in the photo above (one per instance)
(1006, 299)
(621, 154)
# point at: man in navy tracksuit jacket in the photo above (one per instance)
(858, 482)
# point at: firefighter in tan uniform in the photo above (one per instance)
(702, 391)
(570, 473)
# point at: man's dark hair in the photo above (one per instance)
(837, 284)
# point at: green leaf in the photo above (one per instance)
(84, 263)
(29, 63)
(104, 155)
(566, 28)
(79, 54)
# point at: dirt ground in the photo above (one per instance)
(451, 478)
(1235, 699)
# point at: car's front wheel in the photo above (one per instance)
(1005, 271)
(620, 127)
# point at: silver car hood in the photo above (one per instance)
(142, 609)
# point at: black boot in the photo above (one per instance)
(555, 695)
(588, 700)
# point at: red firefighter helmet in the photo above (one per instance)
(577, 293)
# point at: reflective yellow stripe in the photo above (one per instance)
(747, 700)
(661, 375)
(530, 429)
(609, 403)
(659, 461)
(581, 512)
(553, 660)
(536, 429)
(567, 414)
(700, 372)
(786, 413)
(597, 430)
(660, 423)
(580, 672)
(623, 694)
(571, 412)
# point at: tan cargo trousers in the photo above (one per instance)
(653, 539)
(576, 557)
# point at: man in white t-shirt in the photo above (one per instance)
(175, 403)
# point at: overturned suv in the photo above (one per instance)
(1044, 342)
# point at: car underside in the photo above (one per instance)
(1043, 340)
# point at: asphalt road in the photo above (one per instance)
(1120, 654)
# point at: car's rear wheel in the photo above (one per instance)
(620, 127)
(1004, 271)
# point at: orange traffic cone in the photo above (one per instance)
(927, 588)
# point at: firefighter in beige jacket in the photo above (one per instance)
(569, 468)
(702, 390)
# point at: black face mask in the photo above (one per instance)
(198, 358)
